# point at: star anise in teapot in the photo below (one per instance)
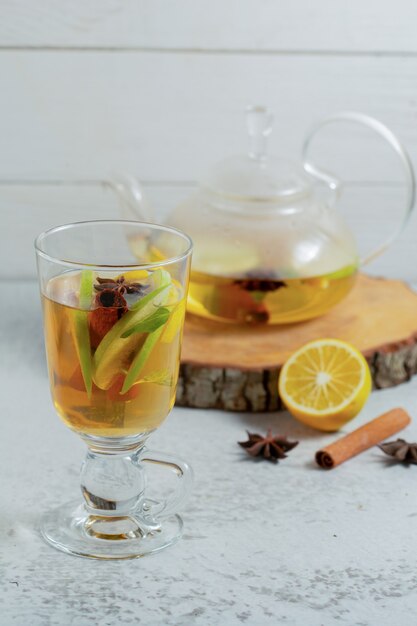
(260, 280)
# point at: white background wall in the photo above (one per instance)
(158, 88)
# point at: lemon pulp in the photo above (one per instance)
(325, 383)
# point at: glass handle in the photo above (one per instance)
(334, 184)
(184, 473)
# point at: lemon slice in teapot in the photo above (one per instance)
(220, 258)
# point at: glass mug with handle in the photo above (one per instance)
(114, 296)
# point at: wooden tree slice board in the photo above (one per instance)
(236, 368)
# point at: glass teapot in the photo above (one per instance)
(267, 247)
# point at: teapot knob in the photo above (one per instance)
(333, 183)
(259, 121)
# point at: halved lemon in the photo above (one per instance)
(325, 383)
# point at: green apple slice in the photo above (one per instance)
(153, 337)
(116, 348)
(82, 333)
(158, 318)
(140, 359)
(175, 322)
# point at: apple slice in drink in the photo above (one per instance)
(81, 331)
(174, 324)
(125, 340)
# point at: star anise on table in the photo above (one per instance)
(400, 450)
(270, 447)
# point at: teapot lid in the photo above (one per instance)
(256, 176)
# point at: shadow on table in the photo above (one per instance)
(280, 422)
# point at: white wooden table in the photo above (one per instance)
(263, 544)
(158, 89)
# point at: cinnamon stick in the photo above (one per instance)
(363, 438)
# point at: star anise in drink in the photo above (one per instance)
(119, 284)
(270, 447)
(111, 292)
(400, 450)
(110, 304)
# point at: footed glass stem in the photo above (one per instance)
(117, 519)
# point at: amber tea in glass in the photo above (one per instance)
(114, 363)
(113, 323)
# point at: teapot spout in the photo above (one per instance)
(134, 204)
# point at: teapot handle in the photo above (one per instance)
(133, 202)
(334, 183)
